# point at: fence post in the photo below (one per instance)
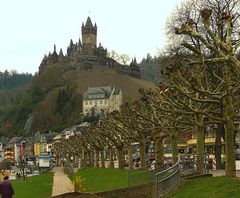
(156, 187)
(214, 165)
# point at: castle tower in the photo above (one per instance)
(89, 37)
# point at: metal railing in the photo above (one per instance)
(146, 177)
(188, 163)
(167, 179)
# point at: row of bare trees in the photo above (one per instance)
(137, 122)
(205, 42)
(202, 89)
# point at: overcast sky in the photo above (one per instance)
(30, 28)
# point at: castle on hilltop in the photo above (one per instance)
(87, 55)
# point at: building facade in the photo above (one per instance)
(101, 100)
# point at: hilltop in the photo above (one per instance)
(54, 98)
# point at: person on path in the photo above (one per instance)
(6, 188)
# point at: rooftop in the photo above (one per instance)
(98, 93)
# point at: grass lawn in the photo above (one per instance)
(103, 179)
(39, 186)
(209, 187)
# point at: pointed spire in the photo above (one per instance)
(88, 27)
(45, 57)
(89, 23)
(68, 51)
(135, 61)
(54, 48)
(61, 52)
(71, 43)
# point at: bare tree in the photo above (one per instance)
(208, 37)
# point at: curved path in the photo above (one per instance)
(61, 182)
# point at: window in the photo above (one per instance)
(90, 102)
(105, 102)
(86, 102)
(95, 102)
(101, 102)
(167, 149)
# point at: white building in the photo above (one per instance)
(101, 100)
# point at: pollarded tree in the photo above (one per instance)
(58, 151)
(133, 128)
(97, 142)
(208, 35)
(187, 106)
(167, 115)
(110, 132)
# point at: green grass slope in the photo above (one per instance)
(103, 179)
(35, 187)
(209, 187)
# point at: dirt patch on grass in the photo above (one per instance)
(77, 195)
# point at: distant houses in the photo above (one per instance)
(27, 149)
(37, 150)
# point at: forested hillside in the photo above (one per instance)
(11, 84)
(53, 101)
(151, 67)
(12, 79)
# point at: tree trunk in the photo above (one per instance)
(82, 159)
(102, 159)
(74, 160)
(218, 146)
(142, 153)
(120, 157)
(97, 159)
(130, 158)
(111, 164)
(200, 129)
(230, 168)
(174, 147)
(159, 149)
(90, 159)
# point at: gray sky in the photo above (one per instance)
(30, 28)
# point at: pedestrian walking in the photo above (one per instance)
(6, 188)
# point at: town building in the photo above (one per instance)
(13, 149)
(102, 100)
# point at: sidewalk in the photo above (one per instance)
(217, 173)
(61, 182)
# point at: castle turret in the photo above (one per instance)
(53, 58)
(79, 48)
(61, 56)
(135, 69)
(89, 37)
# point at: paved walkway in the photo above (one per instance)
(217, 173)
(61, 182)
